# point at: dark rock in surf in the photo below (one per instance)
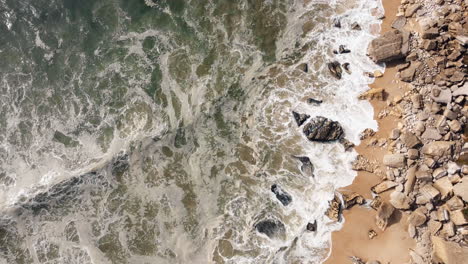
(312, 227)
(342, 49)
(335, 69)
(307, 167)
(300, 118)
(314, 101)
(346, 67)
(323, 129)
(284, 197)
(270, 227)
(337, 22)
(303, 67)
(355, 26)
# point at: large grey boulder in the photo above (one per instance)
(392, 45)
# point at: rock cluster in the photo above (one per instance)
(426, 180)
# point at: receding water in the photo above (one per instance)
(151, 131)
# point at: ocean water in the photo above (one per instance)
(151, 131)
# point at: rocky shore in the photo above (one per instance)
(409, 203)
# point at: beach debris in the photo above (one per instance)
(384, 213)
(284, 197)
(300, 118)
(335, 69)
(323, 129)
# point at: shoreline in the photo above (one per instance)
(352, 239)
(408, 177)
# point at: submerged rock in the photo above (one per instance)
(323, 129)
(342, 49)
(284, 197)
(300, 118)
(314, 101)
(270, 227)
(307, 167)
(335, 69)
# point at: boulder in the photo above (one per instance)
(410, 140)
(408, 74)
(438, 148)
(413, 154)
(417, 218)
(410, 180)
(459, 217)
(351, 199)
(384, 213)
(442, 96)
(430, 33)
(429, 192)
(334, 210)
(384, 186)
(394, 160)
(448, 252)
(394, 134)
(455, 203)
(444, 186)
(411, 9)
(323, 129)
(431, 134)
(374, 93)
(399, 200)
(461, 189)
(399, 22)
(300, 118)
(284, 197)
(392, 45)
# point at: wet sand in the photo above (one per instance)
(393, 244)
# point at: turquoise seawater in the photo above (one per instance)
(150, 131)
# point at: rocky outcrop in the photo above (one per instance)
(392, 45)
(323, 129)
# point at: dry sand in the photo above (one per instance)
(392, 245)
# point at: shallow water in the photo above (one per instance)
(152, 131)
